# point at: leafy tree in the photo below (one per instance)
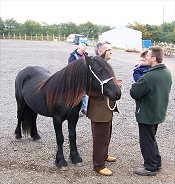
(162, 33)
(31, 27)
(71, 28)
(155, 31)
(103, 28)
(146, 34)
(167, 29)
(68, 28)
(47, 29)
(2, 26)
(11, 26)
(171, 35)
(89, 29)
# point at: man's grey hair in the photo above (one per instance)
(82, 45)
(99, 46)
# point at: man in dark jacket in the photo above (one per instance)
(78, 53)
(151, 93)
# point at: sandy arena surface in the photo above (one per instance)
(26, 161)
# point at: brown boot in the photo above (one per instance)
(110, 159)
(105, 172)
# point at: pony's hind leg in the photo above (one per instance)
(20, 111)
(26, 119)
(74, 155)
(33, 128)
(18, 134)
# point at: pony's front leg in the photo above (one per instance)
(74, 155)
(60, 160)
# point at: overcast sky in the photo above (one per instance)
(101, 12)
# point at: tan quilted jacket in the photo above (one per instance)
(97, 110)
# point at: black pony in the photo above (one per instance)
(59, 96)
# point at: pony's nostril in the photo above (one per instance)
(118, 96)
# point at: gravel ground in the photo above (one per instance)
(26, 161)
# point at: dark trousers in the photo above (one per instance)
(149, 147)
(101, 132)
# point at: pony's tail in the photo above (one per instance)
(26, 120)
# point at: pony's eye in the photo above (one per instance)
(100, 70)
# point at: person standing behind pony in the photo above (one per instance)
(101, 120)
(140, 68)
(152, 94)
(79, 53)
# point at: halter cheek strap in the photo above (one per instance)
(101, 82)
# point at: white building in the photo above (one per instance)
(123, 37)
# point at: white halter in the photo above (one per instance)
(101, 82)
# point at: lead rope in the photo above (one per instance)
(115, 103)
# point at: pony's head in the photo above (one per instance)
(102, 78)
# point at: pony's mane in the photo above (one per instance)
(66, 85)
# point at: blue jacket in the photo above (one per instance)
(138, 71)
(74, 56)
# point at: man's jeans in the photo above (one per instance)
(84, 102)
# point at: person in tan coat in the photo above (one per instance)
(101, 120)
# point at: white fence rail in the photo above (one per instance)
(34, 37)
(40, 38)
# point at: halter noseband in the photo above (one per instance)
(101, 82)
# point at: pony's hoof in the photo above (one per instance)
(18, 136)
(79, 164)
(64, 168)
(37, 137)
(76, 160)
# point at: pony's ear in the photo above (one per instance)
(99, 59)
(103, 55)
(88, 59)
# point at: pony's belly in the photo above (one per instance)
(40, 110)
(38, 105)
